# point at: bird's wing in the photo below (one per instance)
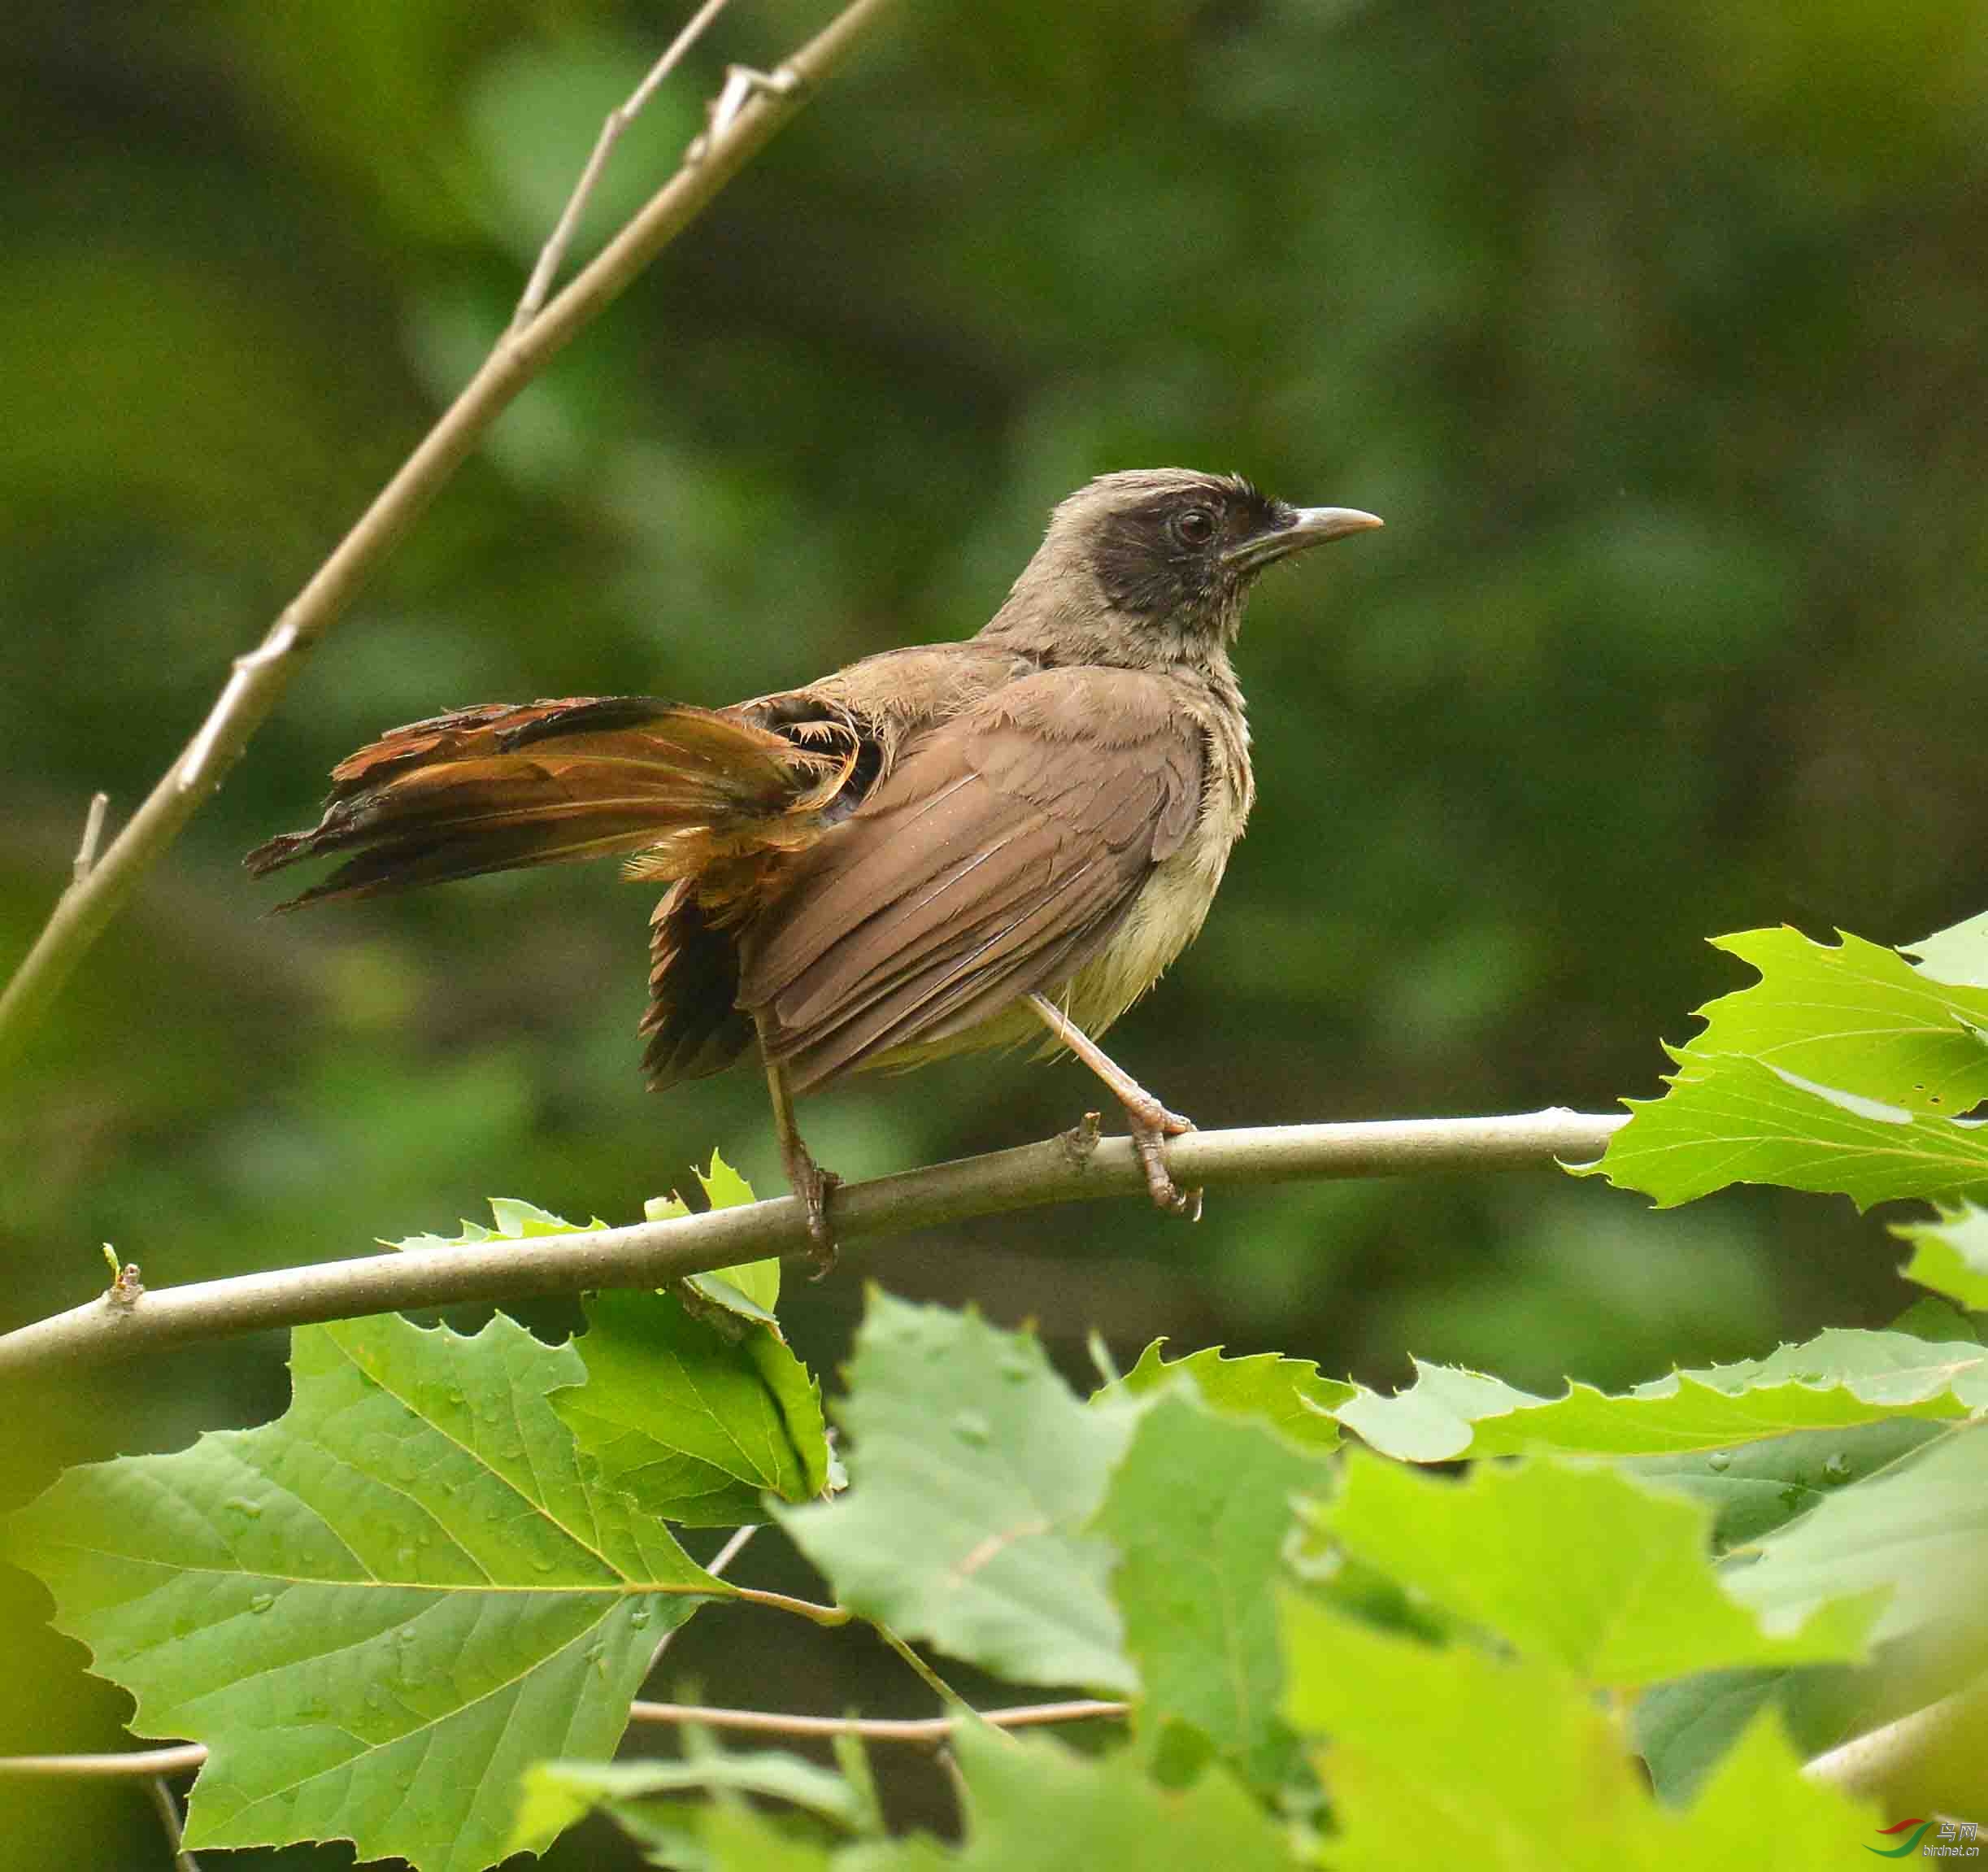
(994, 860)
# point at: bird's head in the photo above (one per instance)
(1150, 567)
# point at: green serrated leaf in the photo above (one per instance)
(919, 1853)
(1683, 1726)
(1605, 1578)
(1839, 1379)
(1759, 1809)
(517, 1220)
(1959, 955)
(698, 1427)
(1684, 1729)
(724, 1187)
(1844, 1069)
(1745, 1122)
(1038, 1804)
(554, 1794)
(753, 1288)
(376, 1611)
(724, 1835)
(1200, 1507)
(1288, 1394)
(1511, 1765)
(853, 1758)
(1760, 1487)
(1951, 1255)
(974, 1473)
(1433, 1420)
(1853, 1016)
(1936, 1320)
(1918, 1533)
(739, 1840)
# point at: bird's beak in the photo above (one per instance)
(1313, 526)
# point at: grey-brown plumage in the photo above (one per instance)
(954, 846)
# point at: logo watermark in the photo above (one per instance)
(1951, 1840)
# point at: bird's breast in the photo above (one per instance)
(1163, 920)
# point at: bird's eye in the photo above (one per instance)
(1196, 526)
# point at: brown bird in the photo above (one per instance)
(949, 847)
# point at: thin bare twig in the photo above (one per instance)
(730, 1551)
(181, 1758)
(259, 678)
(828, 1615)
(169, 1818)
(873, 1728)
(1859, 1766)
(1072, 1168)
(191, 1754)
(92, 833)
(553, 254)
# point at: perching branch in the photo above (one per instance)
(189, 1755)
(873, 1728)
(1078, 1166)
(744, 120)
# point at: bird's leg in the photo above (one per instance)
(1150, 1122)
(808, 1181)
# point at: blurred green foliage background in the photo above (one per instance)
(1653, 331)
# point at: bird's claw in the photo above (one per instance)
(815, 1190)
(1151, 1128)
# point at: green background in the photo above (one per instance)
(1653, 331)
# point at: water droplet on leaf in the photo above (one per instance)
(970, 1427)
(1836, 1468)
(262, 1602)
(1719, 1462)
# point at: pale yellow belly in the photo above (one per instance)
(1164, 918)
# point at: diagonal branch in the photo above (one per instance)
(1078, 1166)
(553, 252)
(738, 134)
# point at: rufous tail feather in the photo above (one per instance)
(501, 788)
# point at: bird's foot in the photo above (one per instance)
(1152, 1124)
(814, 1185)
